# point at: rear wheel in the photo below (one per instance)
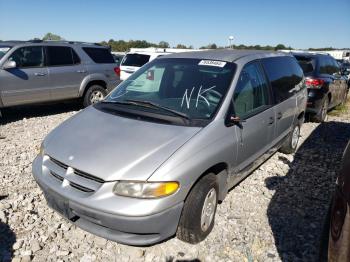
(93, 95)
(322, 114)
(290, 145)
(198, 214)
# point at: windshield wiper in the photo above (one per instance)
(155, 105)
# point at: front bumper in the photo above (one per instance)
(131, 230)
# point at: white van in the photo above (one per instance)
(137, 57)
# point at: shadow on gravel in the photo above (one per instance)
(14, 114)
(299, 206)
(7, 239)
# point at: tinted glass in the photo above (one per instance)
(99, 55)
(61, 55)
(30, 56)
(326, 65)
(251, 92)
(284, 74)
(4, 50)
(183, 85)
(307, 64)
(135, 60)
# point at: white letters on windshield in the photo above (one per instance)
(188, 99)
(201, 91)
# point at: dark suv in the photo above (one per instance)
(43, 71)
(325, 82)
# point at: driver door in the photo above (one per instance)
(252, 104)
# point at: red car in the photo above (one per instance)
(339, 229)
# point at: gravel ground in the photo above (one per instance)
(275, 214)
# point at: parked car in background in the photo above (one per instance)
(44, 71)
(118, 57)
(337, 230)
(325, 82)
(167, 145)
(137, 57)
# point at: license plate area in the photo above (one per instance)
(59, 204)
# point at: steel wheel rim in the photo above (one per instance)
(96, 96)
(208, 209)
(295, 136)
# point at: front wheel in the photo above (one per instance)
(93, 95)
(290, 145)
(198, 214)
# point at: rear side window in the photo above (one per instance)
(29, 56)
(61, 55)
(326, 65)
(284, 74)
(307, 64)
(135, 60)
(251, 93)
(99, 55)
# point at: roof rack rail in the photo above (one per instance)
(62, 41)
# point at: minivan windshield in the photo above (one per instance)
(135, 60)
(4, 50)
(177, 87)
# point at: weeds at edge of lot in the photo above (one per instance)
(341, 109)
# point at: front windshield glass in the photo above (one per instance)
(193, 87)
(4, 50)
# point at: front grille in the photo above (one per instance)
(77, 179)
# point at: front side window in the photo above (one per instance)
(4, 50)
(61, 55)
(251, 94)
(29, 56)
(188, 86)
(285, 76)
(137, 60)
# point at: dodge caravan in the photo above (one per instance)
(154, 158)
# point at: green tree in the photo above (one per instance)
(51, 36)
(280, 46)
(163, 44)
(181, 46)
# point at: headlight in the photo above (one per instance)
(145, 189)
(41, 150)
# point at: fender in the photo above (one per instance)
(88, 79)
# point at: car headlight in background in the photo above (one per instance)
(145, 189)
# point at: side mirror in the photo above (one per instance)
(9, 64)
(234, 120)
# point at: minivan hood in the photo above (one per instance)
(112, 147)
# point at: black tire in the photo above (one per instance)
(322, 114)
(90, 92)
(189, 228)
(289, 146)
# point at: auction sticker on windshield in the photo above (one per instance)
(212, 63)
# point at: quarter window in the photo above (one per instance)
(99, 55)
(284, 74)
(251, 93)
(29, 56)
(61, 55)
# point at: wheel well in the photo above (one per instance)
(301, 115)
(95, 82)
(329, 97)
(216, 169)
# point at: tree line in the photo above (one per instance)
(123, 46)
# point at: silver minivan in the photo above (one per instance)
(156, 156)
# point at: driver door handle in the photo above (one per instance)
(39, 74)
(271, 120)
(279, 115)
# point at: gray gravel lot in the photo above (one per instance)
(275, 214)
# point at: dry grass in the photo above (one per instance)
(341, 109)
